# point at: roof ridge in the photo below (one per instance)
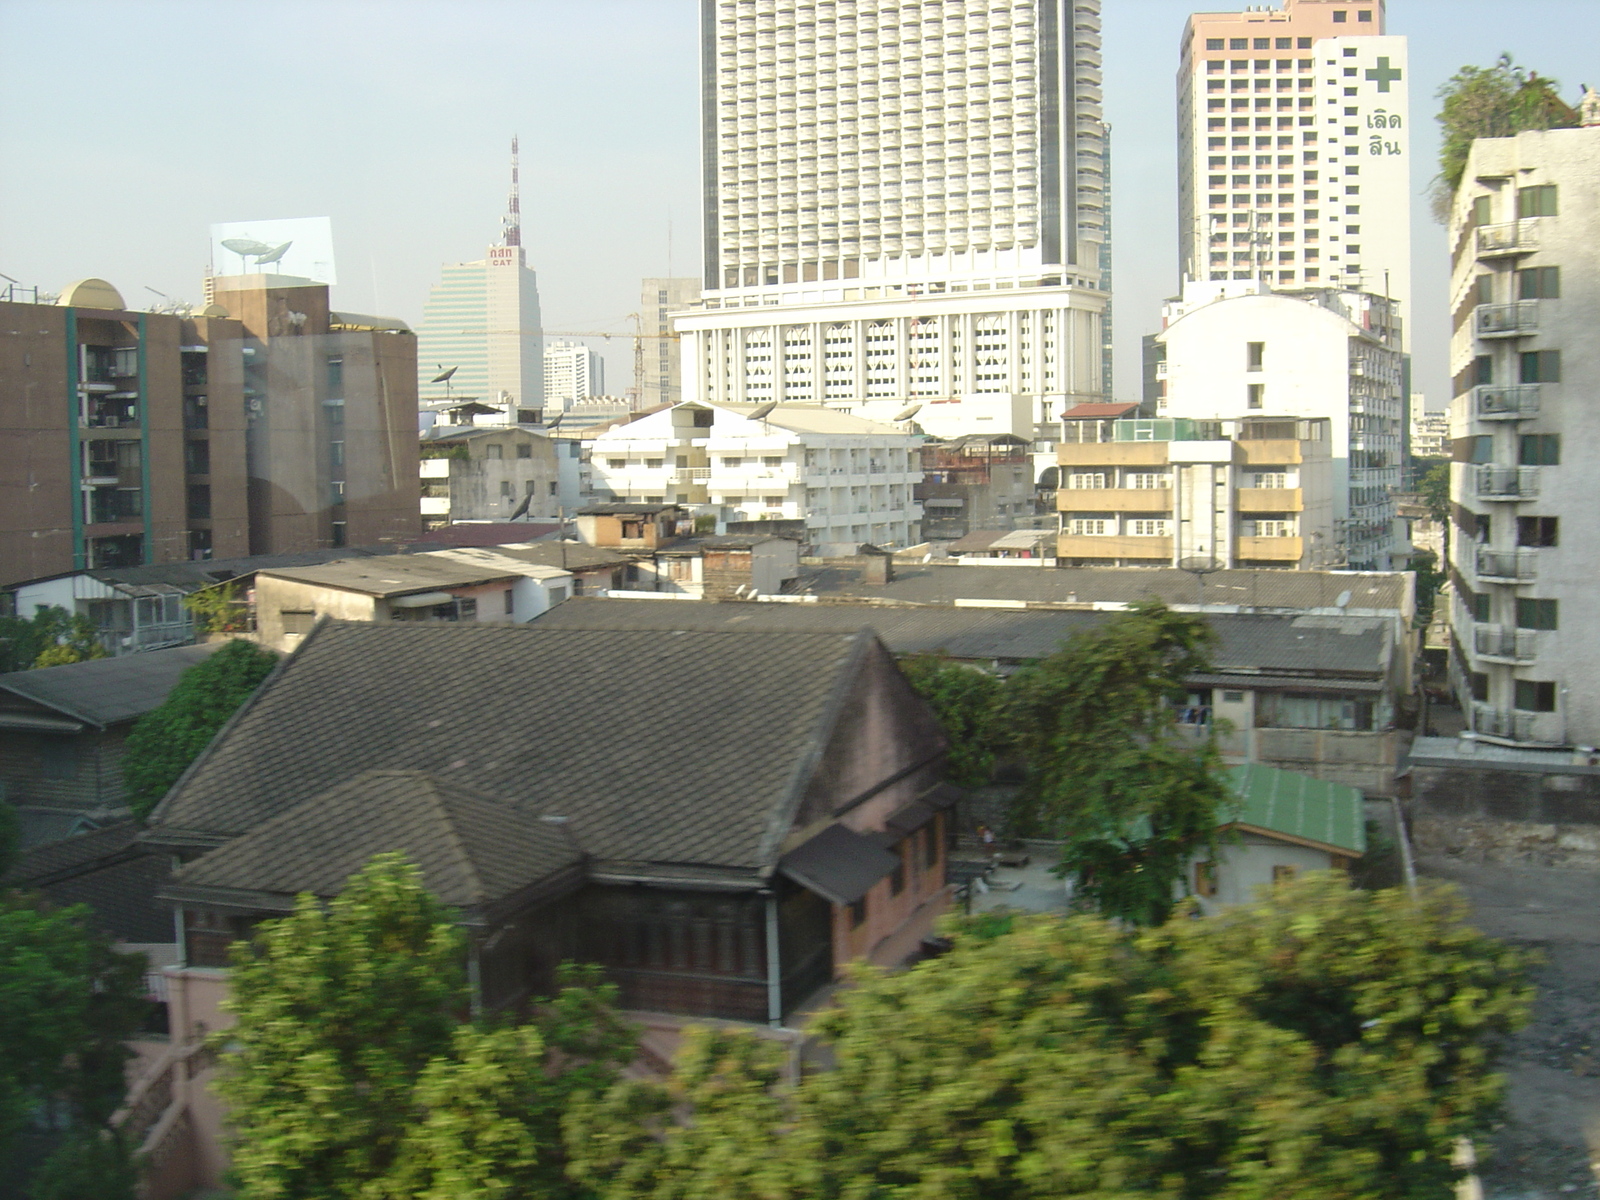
(475, 888)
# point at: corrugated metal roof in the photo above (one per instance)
(1300, 807)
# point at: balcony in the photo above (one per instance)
(1510, 237)
(1271, 500)
(1506, 320)
(1506, 483)
(1502, 723)
(1271, 549)
(691, 474)
(1507, 402)
(434, 468)
(1130, 500)
(1495, 643)
(1506, 566)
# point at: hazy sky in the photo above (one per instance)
(128, 126)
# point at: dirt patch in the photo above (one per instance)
(1549, 1143)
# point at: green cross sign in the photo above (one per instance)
(1384, 74)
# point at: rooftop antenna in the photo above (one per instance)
(444, 378)
(513, 219)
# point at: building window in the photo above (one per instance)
(58, 758)
(298, 620)
(337, 532)
(1539, 450)
(1364, 14)
(1214, 44)
(335, 377)
(1147, 528)
(1479, 683)
(1478, 605)
(1483, 369)
(1539, 201)
(505, 489)
(1538, 531)
(1255, 355)
(1092, 527)
(1257, 395)
(525, 450)
(510, 599)
(1536, 614)
(1535, 696)
(1096, 480)
(1281, 873)
(1538, 283)
(1205, 879)
(199, 501)
(494, 451)
(858, 913)
(897, 877)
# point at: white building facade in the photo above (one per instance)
(572, 372)
(1526, 417)
(900, 201)
(849, 479)
(1294, 149)
(1238, 350)
(482, 319)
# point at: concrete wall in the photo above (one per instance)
(274, 596)
(1244, 867)
(1488, 815)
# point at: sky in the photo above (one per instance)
(127, 127)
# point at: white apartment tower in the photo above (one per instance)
(482, 321)
(1525, 292)
(902, 200)
(572, 372)
(1294, 149)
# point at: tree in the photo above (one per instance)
(966, 700)
(339, 1010)
(1108, 770)
(1429, 580)
(219, 609)
(1487, 102)
(351, 1073)
(68, 1004)
(52, 637)
(1322, 1043)
(164, 742)
(1435, 490)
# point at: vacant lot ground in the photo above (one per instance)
(1550, 1143)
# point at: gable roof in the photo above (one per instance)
(1246, 642)
(1098, 412)
(473, 850)
(106, 691)
(683, 750)
(397, 574)
(1298, 808)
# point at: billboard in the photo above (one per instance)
(300, 246)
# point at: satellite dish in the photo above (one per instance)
(552, 424)
(445, 376)
(905, 414)
(763, 411)
(272, 256)
(1343, 600)
(1199, 565)
(242, 246)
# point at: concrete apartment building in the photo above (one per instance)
(472, 473)
(1237, 350)
(900, 202)
(1294, 148)
(1430, 434)
(1526, 413)
(1255, 492)
(848, 479)
(572, 372)
(976, 482)
(266, 424)
(663, 368)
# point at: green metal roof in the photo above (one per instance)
(1299, 806)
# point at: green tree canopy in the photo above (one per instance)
(1109, 772)
(1324, 1043)
(68, 1004)
(164, 742)
(52, 637)
(351, 1071)
(966, 700)
(1490, 102)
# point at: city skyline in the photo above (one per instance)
(606, 168)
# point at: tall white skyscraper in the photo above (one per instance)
(572, 372)
(901, 200)
(482, 321)
(1294, 133)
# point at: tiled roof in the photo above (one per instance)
(186, 575)
(1246, 641)
(1299, 807)
(684, 749)
(930, 584)
(109, 871)
(1091, 412)
(484, 533)
(472, 849)
(105, 691)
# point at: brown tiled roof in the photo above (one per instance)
(680, 748)
(473, 850)
(1091, 412)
